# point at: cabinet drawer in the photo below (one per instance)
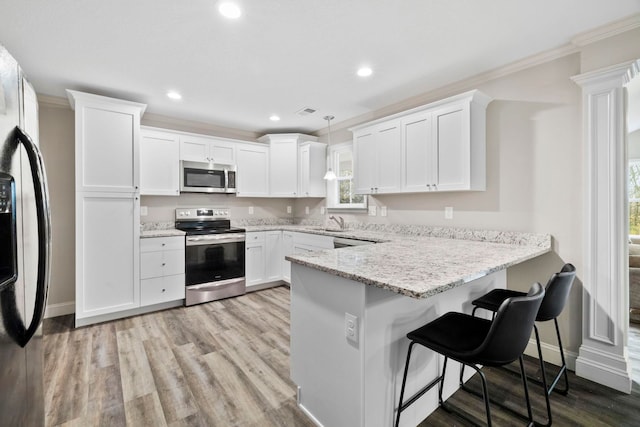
(166, 263)
(151, 244)
(162, 289)
(256, 236)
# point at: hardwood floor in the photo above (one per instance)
(226, 363)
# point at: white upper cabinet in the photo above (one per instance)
(107, 143)
(159, 164)
(297, 164)
(377, 158)
(203, 149)
(283, 167)
(441, 147)
(253, 170)
(312, 165)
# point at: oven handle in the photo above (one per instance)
(215, 239)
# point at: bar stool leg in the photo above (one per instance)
(526, 390)
(404, 381)
(564, 364)
(544, 377)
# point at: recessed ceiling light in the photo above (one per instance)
(230, 10)
(174, 95)
(365, 71)
(274, 118)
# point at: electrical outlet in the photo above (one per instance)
(250, 210)
(322, 210)
(448, 212)
(383, 211)
(372, 211)
(351, 327)
(288, 209)
(144, 211)
(306, 210)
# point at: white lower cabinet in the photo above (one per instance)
(161, 270)
(266, 251)
(287, 249)
(255, 259)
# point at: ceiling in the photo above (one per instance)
(281, 55)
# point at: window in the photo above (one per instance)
(634, 197)
(340, 191)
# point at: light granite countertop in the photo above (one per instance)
(419, 267)
(412, 260)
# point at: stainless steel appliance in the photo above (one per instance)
(24, 250)
(214, 254)
(204, 177)
(343, 242)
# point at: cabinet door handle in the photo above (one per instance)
(164, 244)
(163, 290)
(163, 264)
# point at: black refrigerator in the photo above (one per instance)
(25, 245)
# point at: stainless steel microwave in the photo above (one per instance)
(203, 177)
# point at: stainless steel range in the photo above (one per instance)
(214, 254)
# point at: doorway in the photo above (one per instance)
(633, 155)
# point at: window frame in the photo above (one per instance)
(333, 193)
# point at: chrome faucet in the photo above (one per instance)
(339, 221)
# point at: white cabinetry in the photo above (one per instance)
(377, 158)
(287, 249)
(159, 163)
(297, 164)
(283, 165)
(207, 149)
(306, 242)
(263, 257)
(107, 205)
(161, 270)
(255, 251)
(312, 165)
(273, 256)
(442, 148)
(253, 170)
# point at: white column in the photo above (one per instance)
(603, 354)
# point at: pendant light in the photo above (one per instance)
(330, 175)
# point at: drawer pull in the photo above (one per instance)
(163, 264)
(163, 290)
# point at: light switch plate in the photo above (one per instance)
(306, 210)
(144, 211)
(322, 210)
(250, 210)
(383, 211)
(288, 209)
(372, 211)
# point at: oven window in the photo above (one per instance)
(203, 178)
(214, 262)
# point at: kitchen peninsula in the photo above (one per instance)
(351, 309)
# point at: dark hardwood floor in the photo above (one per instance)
(226, 363)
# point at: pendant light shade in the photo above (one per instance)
(330, 175)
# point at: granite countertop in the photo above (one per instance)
(416, 261)
(419, 266)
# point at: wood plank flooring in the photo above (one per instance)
(226, 363)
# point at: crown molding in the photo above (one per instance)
(53, 102)
(612, 29)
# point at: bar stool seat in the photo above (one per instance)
(475, 341)
(557, 293)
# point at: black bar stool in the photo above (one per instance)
(474, 341)
(557, 293)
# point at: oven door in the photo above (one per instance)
(214, 267)
(200, 178)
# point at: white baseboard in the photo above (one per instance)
(551, 354)
(605, 368)
(60, 309)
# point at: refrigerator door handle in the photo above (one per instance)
(41, 191)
